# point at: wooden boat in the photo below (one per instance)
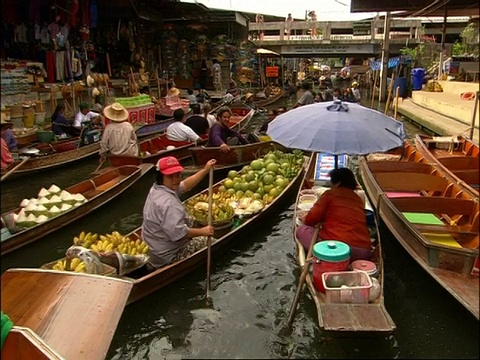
(155, 148)
(53, 155)
(97, 190)
(432, 217)
(270, 100)
(24, 343)
(455, 156)
(144, 130)
(239, 155)
(151, 282)
(61, 315)
(344, 317)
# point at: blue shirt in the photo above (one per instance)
(10, 139)
(60, 119)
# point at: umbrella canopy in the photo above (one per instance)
(337, 128)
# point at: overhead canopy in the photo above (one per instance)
(262, 51)
(419, 7)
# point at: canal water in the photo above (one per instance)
(252, 287)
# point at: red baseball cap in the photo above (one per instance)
(169, 165)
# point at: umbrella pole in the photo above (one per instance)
(336, 161)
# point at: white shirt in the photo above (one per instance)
(80, 118)
(178, 131)
(211, 120)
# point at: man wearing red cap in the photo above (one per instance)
(166, 225)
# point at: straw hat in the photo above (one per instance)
(90, 80)
(116, 112)
(248, 96)
(173, 92)
(322, 78)
(354, 83)
(95, 92)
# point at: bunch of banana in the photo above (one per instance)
(76, 265)
(85, 239)
(102, 246)
(198, 208)
(133, 247)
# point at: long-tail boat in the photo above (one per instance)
(368, 317)
(155, 148)
(432, 217)
(97, 191)
(455, 156)
(147, 283)
(60, 316)
(47, 156)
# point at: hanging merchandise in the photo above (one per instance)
(185, 67)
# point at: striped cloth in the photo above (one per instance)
(119, 139)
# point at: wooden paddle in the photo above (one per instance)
(209, 239)
(306, 267)
(11, 171)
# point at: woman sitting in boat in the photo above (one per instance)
(341, 213)
(60, 125)
(178, 131)
(7, 158)
(221, 135)
(166, 227)
(8, 135)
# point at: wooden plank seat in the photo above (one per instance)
(411, 182)
(434, 205)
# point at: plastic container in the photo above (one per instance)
(330, 256)
(39, 118)
(29, 120)
(401, 83)
(45, 136)
(418, 76)
(347, 287)
(364, 265)
(370, 217)
(306, 202)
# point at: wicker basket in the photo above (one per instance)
(107, 270)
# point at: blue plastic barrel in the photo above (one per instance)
(418, 75)
(401, 83)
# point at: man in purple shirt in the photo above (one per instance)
(10, 138)
(220, 133)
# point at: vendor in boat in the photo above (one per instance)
(178, 131)
(197, 122)
(272, 114)
(307, 97)
(210, 117)
(60, 125)
(8, 135)
(250, 102)
(233, 89)
(119, 137)
(6, 155)
(341, 213)
(84, 115)
(166, 227)
(221, 135)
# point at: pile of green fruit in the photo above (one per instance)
(262, 180)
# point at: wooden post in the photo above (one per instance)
(397, 90)
(373, 90)
(475, 106)
(385, 55)
(390, 90)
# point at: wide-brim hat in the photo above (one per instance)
(116, 112)
(173, 92)
(90, 80)
(354, 83)
(248, 96)
(322, 77)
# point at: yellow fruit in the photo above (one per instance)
(76, 240)
(103, 237)
(109, 247)
(95, 248)
(133, 251)
(82, 236)
(94, 237)
(74, 263)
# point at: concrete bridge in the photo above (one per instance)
(334, 39)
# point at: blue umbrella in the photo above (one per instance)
(337, 128)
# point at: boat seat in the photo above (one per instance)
(396, 194)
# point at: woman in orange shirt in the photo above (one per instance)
(341, 213)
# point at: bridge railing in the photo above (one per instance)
(343, 30)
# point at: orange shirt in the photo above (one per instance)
(7, 158)
(342, 215)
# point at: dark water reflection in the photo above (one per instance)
(252, 287)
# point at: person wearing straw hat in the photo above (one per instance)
(249, 101)
(166, 227)
(6, 155)
(356, 91)
(119, 137)
(8, 135)
(173, 92)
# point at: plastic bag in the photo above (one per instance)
(93, 265)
